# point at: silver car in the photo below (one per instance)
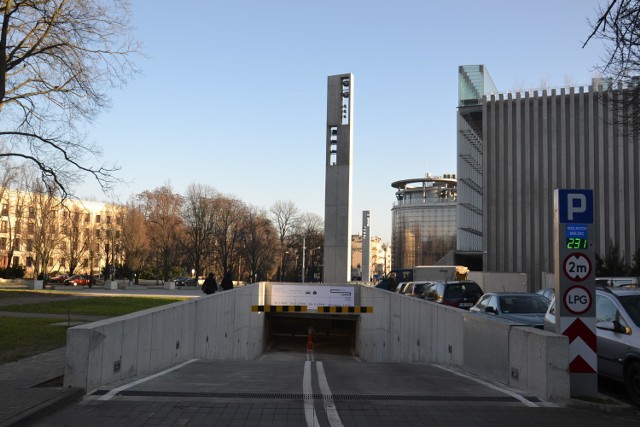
(519, 307)
(618, 330)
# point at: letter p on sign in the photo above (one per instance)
(575, 206)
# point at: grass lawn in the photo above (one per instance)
(98, 306)
(22, 337)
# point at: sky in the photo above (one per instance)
(232, 93)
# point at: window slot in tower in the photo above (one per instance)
(333, 149)
(346, 91)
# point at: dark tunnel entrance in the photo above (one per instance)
(333, 334)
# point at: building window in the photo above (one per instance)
(29, 245)
(63, 263)
(5, 209)
(85, 263)
(3, 243)
(29, 261)
(32, 212)
(97, 232)
(16, 261)
(97, 219)
(31, 228)
(87, 218)
(16, 244)
(108, 219)
(17, 227)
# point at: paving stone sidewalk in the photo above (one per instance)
(24, 392)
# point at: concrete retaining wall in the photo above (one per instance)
(401, 329)
(218, 326)
(405, 329)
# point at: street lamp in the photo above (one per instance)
(303, 256)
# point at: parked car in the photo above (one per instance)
(519, 307)
(59, 278)
(191, 281)
(548, 293)
(416, 289)
(618, 331)
(79, 280)
(622, 282)
(185, 281)
(400, 288)
(462, 294)
(387, 283)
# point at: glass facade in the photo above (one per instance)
(423, 221)
(474, 82)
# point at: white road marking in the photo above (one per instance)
(486, 384)
(307, 390)
(327, 397)
(117, 390)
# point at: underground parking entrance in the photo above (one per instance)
(331, 333)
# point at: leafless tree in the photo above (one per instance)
(285, 219)
(74, 247)
(618, 25)
(135, 239)
(44, 226)
(162, 209)
(261, 238)
(199, 219)
(56, 59)
(228, 234)
(110, 235)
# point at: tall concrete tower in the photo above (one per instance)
(337, 192)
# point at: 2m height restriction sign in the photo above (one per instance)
(575, 285)
(577, 267)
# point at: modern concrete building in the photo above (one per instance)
(423, 230)
(514, 149)
(337, 207)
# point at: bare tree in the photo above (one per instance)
(199, 219)
(285, 219)
(228, 233)
(135, 239)
(618, 25)
(56, 57)
(162, 209)
(74, 246)
(43, 224)
(261, 238)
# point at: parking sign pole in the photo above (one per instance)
(574, 242)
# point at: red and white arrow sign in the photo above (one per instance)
(583, 343)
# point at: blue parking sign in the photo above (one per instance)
(575, 206)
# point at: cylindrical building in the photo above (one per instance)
(423, 230)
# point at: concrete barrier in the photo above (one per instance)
(111, 284)
(170, 285)
(218, 326)
(35, 284)
(406, 329)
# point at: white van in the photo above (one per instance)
(617, 282)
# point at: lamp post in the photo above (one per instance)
(303, 256)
